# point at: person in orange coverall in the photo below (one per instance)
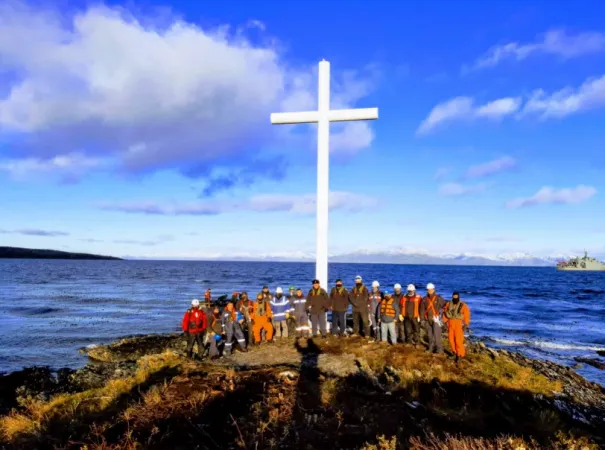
(457, 316)
(262, 317)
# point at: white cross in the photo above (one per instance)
(323, 116)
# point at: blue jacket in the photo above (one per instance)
(280, 306)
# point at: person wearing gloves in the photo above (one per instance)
(262, 317)
(339, 303)
(389, 313)
(194, 325)
(318, 303)
(358, 297)
(430, 310)
(374, 300)
(231, 325)
(290, 319)
(398, 298)
(410, 309)
(300, 314)
(215, 332)
(280, 307)
(457, 315)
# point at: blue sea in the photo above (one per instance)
(51, 308)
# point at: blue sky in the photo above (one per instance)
(142, 129)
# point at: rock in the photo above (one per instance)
(135, 347)
(592, 362)
(493, 353)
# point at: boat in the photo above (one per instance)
(585, 263)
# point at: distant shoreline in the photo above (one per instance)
(34, 253)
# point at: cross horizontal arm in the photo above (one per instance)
(346, 115)
(294, 117)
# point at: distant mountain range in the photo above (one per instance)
(35, 253)
(397, 256)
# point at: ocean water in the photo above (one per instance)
(51, 308)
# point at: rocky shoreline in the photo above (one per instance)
(428, 399)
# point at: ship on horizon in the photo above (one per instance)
(585, 263)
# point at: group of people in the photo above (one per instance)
(379, 314)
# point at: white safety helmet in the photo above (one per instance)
(411, 287)
(195, 302)
(358, 278)
(279, 290)
(397, 286)
(375, 284)
(430, 286)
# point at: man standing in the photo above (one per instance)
(358, 298)
(318, 302)
(374, 314)
(215, 333)
(411, 316)
(232, 329)
(246, 307)
(389, 313)
(339, 303)
(194, 325)
(300, 314)
(262, 317)
(290, 319)
(280, 306)
(430, 310)
(398, 298)
(458, 317)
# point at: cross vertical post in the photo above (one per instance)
(323, 116)
(323, 173)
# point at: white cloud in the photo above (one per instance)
(567, 101)
(549, 195)
(492, 167)
(464, 109)
(297, 204)
(66, 167)
(588, 96)
(457, 189)
(554, 42)
(152, 97)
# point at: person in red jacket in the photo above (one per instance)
(194, 326)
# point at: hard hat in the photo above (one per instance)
(387, 293)
(397, 286)
(279, 290)
(292, 288)
(195, 302)
(411, 287)
(358, 278)
(430, 286)
(375, 284)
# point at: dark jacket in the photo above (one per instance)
(339, 300)
(411, 306)
(318, 301)
(359, 298)
(427, 311)
(216, 324)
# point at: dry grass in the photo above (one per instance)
(416, 366)
(30, 424)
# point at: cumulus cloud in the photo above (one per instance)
(491, 168)
(35, 232)
(105, 85)
(557, 42)
(457, 189)
(69, 167)
(465, 109)
(564, 102)
(549, 195)
(567, 101)
(298, 204)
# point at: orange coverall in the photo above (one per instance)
(261, 321)
(457, 316)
